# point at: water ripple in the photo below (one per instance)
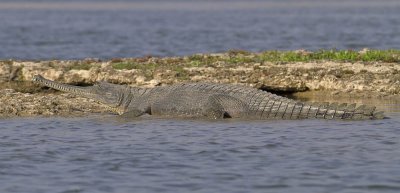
(93, 155)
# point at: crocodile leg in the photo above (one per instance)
(224, 106)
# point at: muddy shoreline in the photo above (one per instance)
(19, 97)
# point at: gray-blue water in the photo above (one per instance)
(90, 155)
(100, 29)
(105, 154)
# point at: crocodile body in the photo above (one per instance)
(209, 100)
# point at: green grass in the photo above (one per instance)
(331, 55)
(237, 57)
(124, 66)
(150, 66)
(242, 57)
(81, 66)
(200, 60)
(392, 56)
(77, 64)
(146, 69)
(134, 65)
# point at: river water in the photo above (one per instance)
(102, 153)
(108, 29)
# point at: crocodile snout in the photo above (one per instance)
(37, 78)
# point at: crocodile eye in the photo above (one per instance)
(109, 94)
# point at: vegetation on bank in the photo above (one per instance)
(234, 57)
(389, 56)
(266, 68)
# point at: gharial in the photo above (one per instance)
(209, 100)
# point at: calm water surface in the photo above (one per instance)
(105, 154)
(82, 29)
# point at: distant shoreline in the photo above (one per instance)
(189, 5)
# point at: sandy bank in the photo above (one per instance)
(19, 97)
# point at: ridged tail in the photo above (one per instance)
(299, 110)
(343, 111)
